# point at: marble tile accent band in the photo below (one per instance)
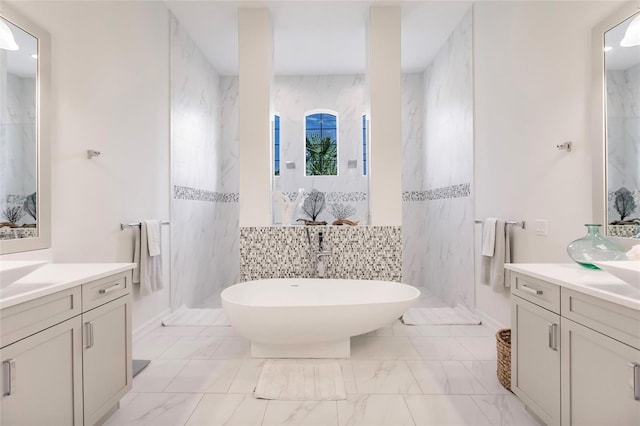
(187, 193)
(333, 196)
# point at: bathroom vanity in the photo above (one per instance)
(65, 344)
(575, 344)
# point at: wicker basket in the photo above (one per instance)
(503, 344)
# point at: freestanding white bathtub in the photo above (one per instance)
(312, 318)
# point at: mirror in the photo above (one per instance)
(622, 127)
(320, 108)
(24, 151)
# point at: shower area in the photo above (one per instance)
(437, 154)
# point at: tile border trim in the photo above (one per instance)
(197, 194)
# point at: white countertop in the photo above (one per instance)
(54, 277)
(593, 282)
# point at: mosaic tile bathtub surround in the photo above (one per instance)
(187, 193)
(358, 252)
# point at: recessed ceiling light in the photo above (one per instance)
(607, 48)
(34, 56)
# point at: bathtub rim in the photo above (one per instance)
(311, 304)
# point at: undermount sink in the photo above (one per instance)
(12, 270)
(626, 270)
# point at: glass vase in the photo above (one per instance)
(594, 247)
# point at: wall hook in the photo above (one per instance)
(566, 146)
(92, 153)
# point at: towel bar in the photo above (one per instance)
(124, 226)
(509, 222)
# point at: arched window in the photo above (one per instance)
(321, 143)
(276, 145)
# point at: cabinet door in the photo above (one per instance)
(597, 378)
(42, 377)
(106, 357)
(535, 358)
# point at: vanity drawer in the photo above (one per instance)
(25, 319)
(101, 291)
(536, 291)
(618, 322)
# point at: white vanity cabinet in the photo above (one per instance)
(575, 361)
(535, 341)
(41, 377)
(600, 362)
(66, 356)
(106, 349)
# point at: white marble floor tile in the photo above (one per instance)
(384, 377)
(377, 347)
(320, 413)
(445, 378)
(504, 410)
(441, 349)
(445, 410)
(486, 373)
(247, 377)
(433, 330)
(151, 347)
(233, 348)
(399, 329)
(218, 409)
(157, 375)
(219, 331)
(214, 376)
(482, 348)
(155, 409)
(193, 347)
(472, 331)
(348, 376)
(379, 410)
(176, 331)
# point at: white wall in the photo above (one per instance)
(385, 103)
(255, 79)
(110, 92)
(531, 81)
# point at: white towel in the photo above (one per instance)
(153, 236)
(489, 236)
(148, 270)
(493, 272)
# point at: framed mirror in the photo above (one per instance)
(25, 214)
(616, 123)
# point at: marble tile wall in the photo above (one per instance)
(203, 213)
(413, 197)
(359, 252)
(448, 169)
(623, 138)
